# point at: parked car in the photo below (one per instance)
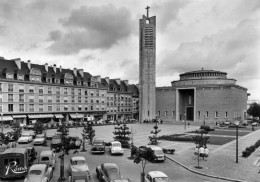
(55, 140)
(108, 172)
(47, 157)
(154, 176)
(29, 127)
(25, 138)
(3, 147)
(116, 148)
(75, 177)
(39, 173)
(40, 139)
(98, 146)
(255, 124)
(79, 165)
(152, 153)
(22, 125)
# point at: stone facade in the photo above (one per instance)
(199, 96)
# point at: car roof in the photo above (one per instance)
(38, 167)
(15, 150)
(154, 147)
(108, 165)
(46, 152)
(115, 142)
(78, 158)
(155, 174)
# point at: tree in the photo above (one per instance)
(200, 140)
(17, 130)
(38, 128)
(122, 135)
(5, 138)
(154, 139)
(88, 133)
(254, 110)
(63, 147)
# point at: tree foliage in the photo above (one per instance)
(154, 138)
(200, 139)
(17, 131)
(5, 138)
(122, 135)
(88, 132)
(254, 110)
(38, 128)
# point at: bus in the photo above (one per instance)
(15, 163)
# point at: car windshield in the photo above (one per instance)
(158, 152)
(78, 162)
(116, 145)
(113, 171)
(45, 159)
(35, 172)
(97, 143)
(160, 179)
(39, 136)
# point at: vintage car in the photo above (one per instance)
(39, 173)
(78, 164)
(154, 176)
(116, 148)
(47, 157)
(78, 177)
(152, 153)
(25, 138)
(55, 140)
(98, 146)
(40, 139)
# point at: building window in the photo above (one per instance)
(10, 107)
(72, 99)
(65, 99)
(10, 87)
(86, 108)
(41, 107)
(0, 87)
(226, 114)
(65, 108)
(31, 107)
(10, 97)
(79, 108)
(91, 108)
(199, 114)
(79, 99)
(41, 98)
(189, 99)
(216, 114)
(41, 90)
(49, 98)
(166, 112)
(72, 91)
(79, 91)
(57, 98)
(31, 98)
(173, 113)
(207, 114)
(21, 107)
(21, 88)
(66, 91)
(49, 90)
(57, 90)
(49, 107)
(148, 113)
(159, 113)
(97, 101)
(31, 89)
(86, 92)
(57, 107)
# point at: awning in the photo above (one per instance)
(33, 116)
(19, 116)
(58, 115)
(74, 116)
(5, 118)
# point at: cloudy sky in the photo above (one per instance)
(101, 36)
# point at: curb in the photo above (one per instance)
(204, 174)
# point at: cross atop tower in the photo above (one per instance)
(147, 8)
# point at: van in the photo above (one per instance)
(15, 163)
(152, 153)
(47, 157)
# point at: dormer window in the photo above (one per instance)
(78, 82)
(10, 76)
(20, 77)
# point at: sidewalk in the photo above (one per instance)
(222, 160)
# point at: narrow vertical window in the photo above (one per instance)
(216, 114)
(173, 113)
(207, 114)
(226, 114)
(166, 113)
(199, 114)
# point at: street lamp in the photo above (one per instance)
(236, 123)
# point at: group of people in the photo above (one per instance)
(201, 151)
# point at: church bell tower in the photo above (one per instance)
(147, 66)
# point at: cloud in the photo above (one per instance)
(167, 11)
(92, 28)
(131, 69)
(234, 50)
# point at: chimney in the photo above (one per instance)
(29, 64)
(18, 63)
(126, 82)
(60, 69)
(81, 72)
(107, 79)
(46, 67)
(54, 68)
(75, 71)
